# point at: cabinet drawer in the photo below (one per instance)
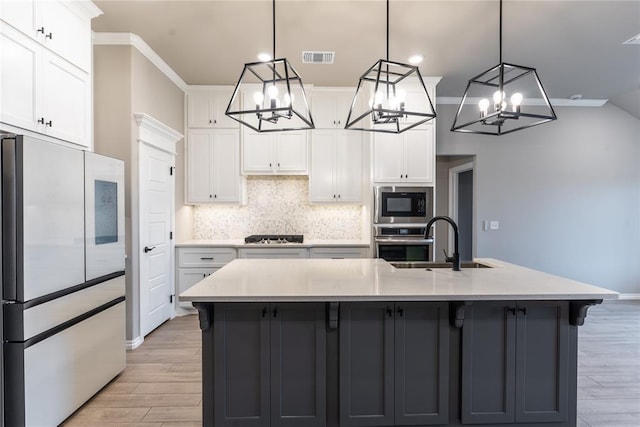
(205, 257)
(338, 253)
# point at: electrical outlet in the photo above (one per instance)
(494, 225)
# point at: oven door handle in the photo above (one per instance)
(409, 242)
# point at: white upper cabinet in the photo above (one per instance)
(408, 157)
(329, 108)
(274, 153)
(45, 51)
(64, 27)
(336, 167)
(213, 166)
(206, 108)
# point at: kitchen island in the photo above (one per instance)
(357, 342)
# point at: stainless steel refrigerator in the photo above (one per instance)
(63, 328)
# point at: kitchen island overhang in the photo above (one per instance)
(514, 322)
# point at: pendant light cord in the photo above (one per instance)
(500, 34)
(387, 30)
(501, 79)
(273, 12)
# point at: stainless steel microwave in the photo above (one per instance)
(402, 205)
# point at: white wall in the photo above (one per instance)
(566, 194)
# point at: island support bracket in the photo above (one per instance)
(578, 310)
(333, 315)
(205, 314)
(456, 313)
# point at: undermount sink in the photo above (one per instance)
(428, 265)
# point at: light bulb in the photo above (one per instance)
(516, 99)
(258, 97)
(392, 102)
(288, 99)
(484, 106)
(401, 95)
(379, 97)
(498, 96)
(272, 91)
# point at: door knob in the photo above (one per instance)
(148, 249)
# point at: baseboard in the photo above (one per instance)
(629, 296)
(133, 344)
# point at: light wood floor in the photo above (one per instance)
(161, 385)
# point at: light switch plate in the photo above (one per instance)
(494, 225)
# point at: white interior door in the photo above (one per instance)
(156, 201)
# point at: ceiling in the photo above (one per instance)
(576, 46)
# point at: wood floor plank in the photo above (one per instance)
(146, 400)
(169, 388)
(192, 414)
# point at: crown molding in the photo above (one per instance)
(555, 102)
(130, 39)
(153, 132)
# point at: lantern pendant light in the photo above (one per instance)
(269, 95)
(503, 99)
(391, 97)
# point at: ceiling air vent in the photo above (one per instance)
(314, 57)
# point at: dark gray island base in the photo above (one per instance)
(396, 363)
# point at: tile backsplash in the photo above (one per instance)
(279, 205)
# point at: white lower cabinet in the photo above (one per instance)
(281, 253)
(336, 167)
(339, 252)
(196, 263)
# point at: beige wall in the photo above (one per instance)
(125, 83)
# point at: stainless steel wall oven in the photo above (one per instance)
(402, 243)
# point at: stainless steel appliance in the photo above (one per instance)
(402, 205)
(401, 243)
(62, 278)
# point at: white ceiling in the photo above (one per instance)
(575, 45)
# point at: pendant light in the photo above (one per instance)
(391, 97)
(503, 99)
(269, 95)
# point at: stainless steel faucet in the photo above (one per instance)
(455, 259)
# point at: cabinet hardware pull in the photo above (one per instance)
(278, 164)
(269, 164)
(210, 196)
(210, 258)
(204, 274)
(275, 312)
(215, 121)
(264, 312)
(512, 310)
(389, 312)
(334, 196)
(148, 249)
(49, 123)
(40, 30)
(41, 120)
(523, 310)
(215, 196)
(338, 196)
(401, 311)
(49, 36)
(334, 122)
(209, 121)
(401, 175)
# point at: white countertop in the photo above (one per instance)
(239, 243)
(305, 280)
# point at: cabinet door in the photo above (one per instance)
(421, 363)
(348, 166)
(488, 363)
(291, 152)
(66, 33)
(199, 158)
(66, 100)
(321, 179)
(241, 347)
(324, 110)
(542, 362)
(366, 364)
(20, 58)
(419, 160)
(388, 153)
(298, 366)
(187, 277)
(257, 152)
(21, 15)
(219, 103)
(199, 110)
(225, 166)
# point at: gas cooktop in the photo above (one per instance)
(274, 239)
